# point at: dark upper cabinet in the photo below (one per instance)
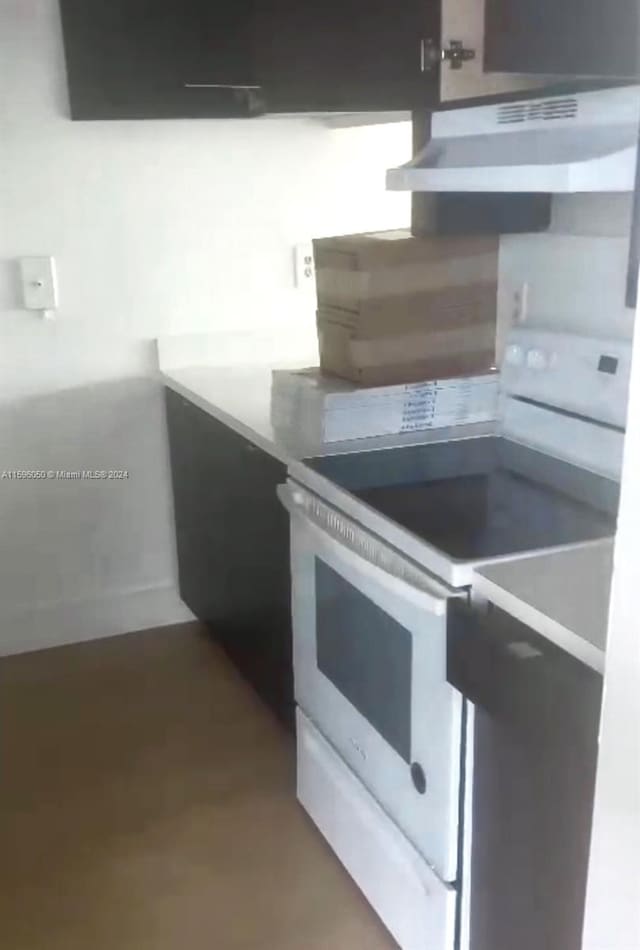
(586, 38)
(159, 59)
(198, 58)
(350, 55)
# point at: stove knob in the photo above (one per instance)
(537, 359)
(419, 778)
(514, 355)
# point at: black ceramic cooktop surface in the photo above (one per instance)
(479, 498)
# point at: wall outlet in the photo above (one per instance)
(304, 272)
(521, 304)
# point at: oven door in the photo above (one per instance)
(370, 671)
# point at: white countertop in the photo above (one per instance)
(240, 396)
(563, 595)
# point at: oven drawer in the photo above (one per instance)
(414, 904)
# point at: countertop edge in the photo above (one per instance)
(546, 626)
(268, 445)
(287, 450)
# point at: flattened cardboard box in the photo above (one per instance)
(381, 275)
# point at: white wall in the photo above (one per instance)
(576, 273)
(613, 894)
(157, 227)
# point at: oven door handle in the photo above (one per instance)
(380, 564)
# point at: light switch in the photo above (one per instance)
(39, 285)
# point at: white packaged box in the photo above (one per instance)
(320, 409)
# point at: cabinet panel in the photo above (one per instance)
(232, 539)
(589, 38)
(464, 21)
(349, 55)
(157, 58)
(536, 721)
(219, 44)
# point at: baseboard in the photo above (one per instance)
(50, 625)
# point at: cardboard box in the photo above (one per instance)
(387, 360)
(451, 336)
(382, 276)
(394, 308)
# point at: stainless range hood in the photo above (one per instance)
(579, 143)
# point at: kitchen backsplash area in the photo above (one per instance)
(572, 277)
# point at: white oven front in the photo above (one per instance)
(370, 671)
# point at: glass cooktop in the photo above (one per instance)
(479, 498)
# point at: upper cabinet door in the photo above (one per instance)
(158, 58)
(585, 38)
(218, 44)
(463, 24)
(347, 55)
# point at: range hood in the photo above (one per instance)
(578, 143)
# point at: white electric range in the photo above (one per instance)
(382, 544)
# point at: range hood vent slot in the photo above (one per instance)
(545, 110)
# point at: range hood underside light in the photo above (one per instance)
(563, 160)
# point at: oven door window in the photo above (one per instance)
(367, 655)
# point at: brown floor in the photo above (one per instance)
(147, 801)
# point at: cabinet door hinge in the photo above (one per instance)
(431, 53)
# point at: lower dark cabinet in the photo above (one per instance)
(535, 737)
(232, 539)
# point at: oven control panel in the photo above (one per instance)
(583, 375)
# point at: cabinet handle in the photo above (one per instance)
(248, 93)
(634, 244)
(218, 85)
